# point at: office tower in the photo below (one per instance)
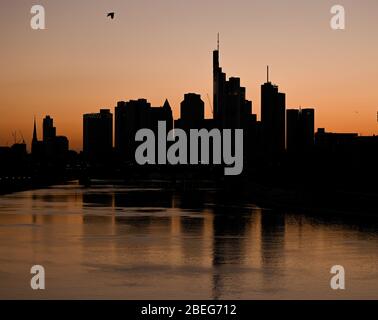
(331, 142)
(292, 130)
(273, 106)
(192, 111)
(98, 135)
(192, 116)
(14, 160)
(231, 109)
(49, 131)
(300, 127)
(129, 118)
(219, 79)
(163, 113)
(120, 127)
(308, 128)
(119, 136)
(229, 102)
(52, 149)
(60, 148)
(134, 115)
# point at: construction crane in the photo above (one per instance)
(211, 105)
(22, 137)
(15, 138)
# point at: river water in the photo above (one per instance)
(119, 242)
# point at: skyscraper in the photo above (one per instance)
(273, 106)
(163, 113)
(231, 108)
(98, 135)
(49, 131)
(120, 139)
(300, 127)
(292, 130)
(134, 115)
(219, 79)
(192, 111)
(308, 128)
(53, 148)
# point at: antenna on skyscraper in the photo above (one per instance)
(218, 42)
(267, 74)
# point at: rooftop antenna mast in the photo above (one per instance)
(218, 42)
(267, 74)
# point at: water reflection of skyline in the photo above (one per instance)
(229, 246)
(222, 226)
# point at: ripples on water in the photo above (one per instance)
(130, 243)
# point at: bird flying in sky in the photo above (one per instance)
(111, 15)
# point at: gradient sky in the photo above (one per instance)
(160, 49)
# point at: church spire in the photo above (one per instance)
(166, 104)
(35, 138)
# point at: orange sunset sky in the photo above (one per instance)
(159, 49)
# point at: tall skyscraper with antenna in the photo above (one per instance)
(273, 109)
(219, 79)
(231, 109)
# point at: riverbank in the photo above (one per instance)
(328, 200)
(18, 184)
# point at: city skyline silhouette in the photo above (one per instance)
(18, 136)
(75, 68)
(276, 148)
(174, 149)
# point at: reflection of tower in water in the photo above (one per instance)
(230, 224)
(98, 226)
(272, 245)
